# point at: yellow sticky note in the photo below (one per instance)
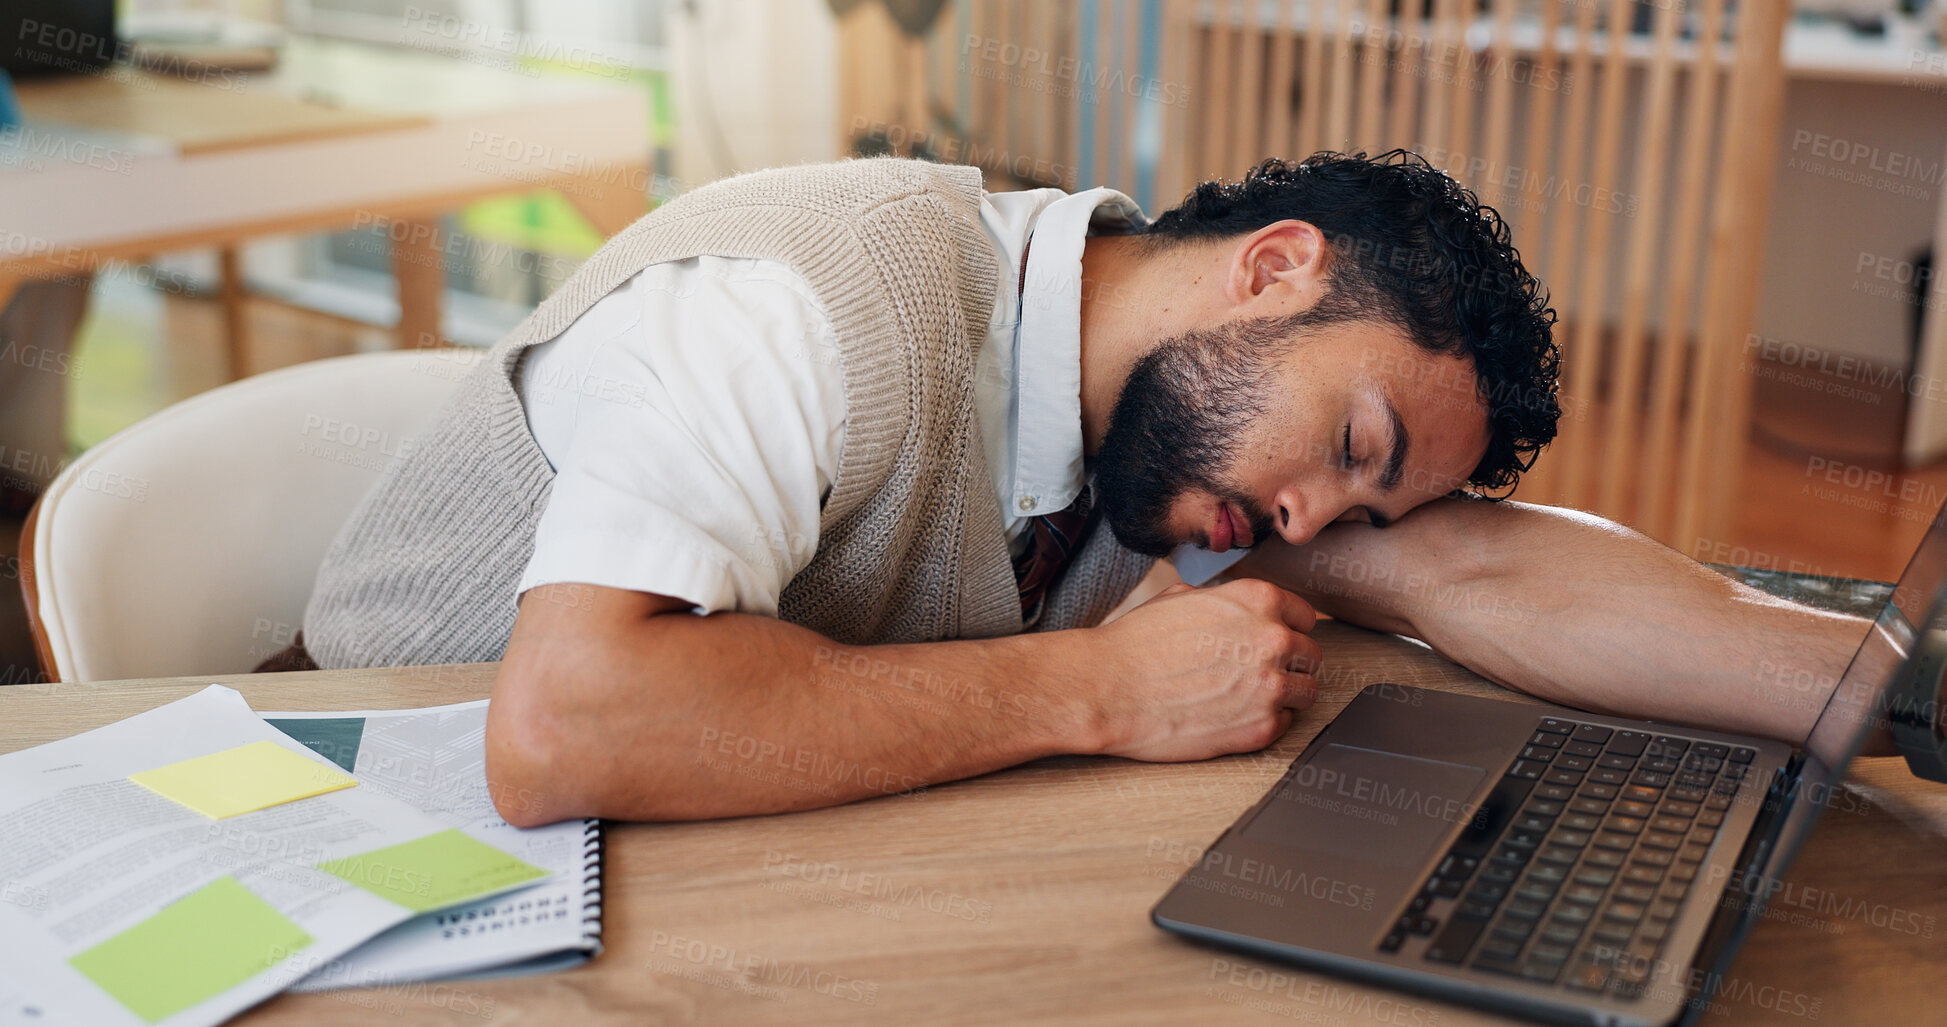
(248, 777)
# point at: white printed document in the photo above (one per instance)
(435, 759)
(181, 865)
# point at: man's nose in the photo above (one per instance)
(1296, 521)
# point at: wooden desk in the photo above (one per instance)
(338, 136)
(1023, 896)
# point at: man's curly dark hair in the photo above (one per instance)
(1413, 248)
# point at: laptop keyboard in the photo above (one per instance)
(1576, 864)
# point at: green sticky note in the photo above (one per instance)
(243, 779)
(195, 949)
(434, 872)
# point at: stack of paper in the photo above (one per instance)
(435, 760)
(182, 865)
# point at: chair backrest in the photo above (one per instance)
(187, 543)
(1637, 177)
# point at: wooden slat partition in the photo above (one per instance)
(1460, 73)
(1623, 423)
(1105, 100)
(1500, 99)
(1247, 144)
(1178, 52)
(1401, 127)
(1720, 397)
(1673, 357)
(1311, 112)
(1438, 57)
(1120, 162)
(1338, 95)
(1372, 84)
(1284, 63)
(992, 121)
(1585, 351)
(1215, 84)
(1060, 141)
(1546, 70)
(1564, 221)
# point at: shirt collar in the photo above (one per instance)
(1048, 465)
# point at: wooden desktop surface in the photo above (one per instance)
(1024, 896)
(194, 117)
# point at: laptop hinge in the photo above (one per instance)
(1742, 899)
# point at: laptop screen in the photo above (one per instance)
(1857, 707)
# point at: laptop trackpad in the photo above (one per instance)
(1375, 806)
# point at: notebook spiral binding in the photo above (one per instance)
(591, 896)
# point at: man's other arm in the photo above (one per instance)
(627, 705)
(1576, 609)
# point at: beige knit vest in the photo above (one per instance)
(910, 545)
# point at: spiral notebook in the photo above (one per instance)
(435, 759)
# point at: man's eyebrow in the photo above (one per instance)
(1396, 463)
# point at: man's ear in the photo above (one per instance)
(1283, 263)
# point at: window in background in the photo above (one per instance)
(147, 347)
(532, 238)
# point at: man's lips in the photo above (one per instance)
(1240, 528)
(1229, 529)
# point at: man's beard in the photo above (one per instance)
(1175, 425)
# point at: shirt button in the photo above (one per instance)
(1027, 503)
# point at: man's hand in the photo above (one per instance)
(1203, 672)
(619, 704)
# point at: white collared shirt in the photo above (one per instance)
(695, 416)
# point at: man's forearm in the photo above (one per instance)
(687, 717)
(1577, 609)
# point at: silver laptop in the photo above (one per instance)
(1540, 861)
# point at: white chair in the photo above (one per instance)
(186, 544)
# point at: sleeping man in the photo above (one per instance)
(803, 443)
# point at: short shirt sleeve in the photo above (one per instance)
(694, 418)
